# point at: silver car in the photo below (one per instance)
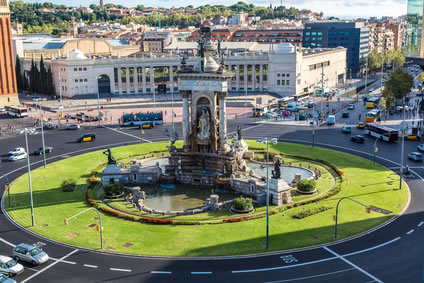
(30, 253)
(9, 266)
(5, 279)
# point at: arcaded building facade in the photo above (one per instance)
(8, 88)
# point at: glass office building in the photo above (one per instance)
(414, 29)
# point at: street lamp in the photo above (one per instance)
(403, 146)
(30, 131)
(7, 186)
(267, 141)
(42, 137)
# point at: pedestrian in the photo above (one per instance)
(359, 117)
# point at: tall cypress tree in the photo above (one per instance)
(32, 74)
(18, 73)
(51, 90)
(42, 77)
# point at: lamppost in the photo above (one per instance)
(403, 146)
(30, 131)
(314, 118)
(7, 186)
(42, 137)
(267, 141)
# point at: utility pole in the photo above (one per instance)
(382, 65)
(42, 137)
(366, 76)
(403, 146)
(322, 86)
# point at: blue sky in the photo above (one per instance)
(338, 8)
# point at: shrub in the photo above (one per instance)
(311, 211)
(69, 185)
(306, 185)
(113, 189)
(242, 203)
(92, 182)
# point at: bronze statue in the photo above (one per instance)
(276, 173)
(239, 133)
(110, 158)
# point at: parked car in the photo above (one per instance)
(86, 137)
(413, 137)
(415, 156)
(50, 125)
(421, 147)
(371, 89)
(47, 149)
(18, 156)
(345, 115)
(310, 104)
(6, 279)
(347, 129)
(292, 106)
(73, 127)
(331, 120)
(2, 109)
(350, 106)
(360, 125)
(357, 139)
(16, 150)
(9, 266)
(29, 253)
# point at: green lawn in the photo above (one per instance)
(367, 183)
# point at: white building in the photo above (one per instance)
(284, 70)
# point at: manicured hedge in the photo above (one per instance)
(310, 211)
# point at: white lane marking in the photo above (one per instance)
(312, 276)
(201, 272)
(120, 269)
(64, 261)
(6, 242)
(160, 272)
(49, 266)
(373, 248)
(89, 265)
(420, 224)
(410, 232)
(284, 267)
(121, 132)
(352, 264)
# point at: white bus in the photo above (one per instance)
(17, 111)
(381, 132)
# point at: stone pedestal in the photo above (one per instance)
(279, 192)
(111, 174)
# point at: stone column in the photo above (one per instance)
(171, 78)
(179, 80)
(128, 80)
(186, 123)
(112, 83)
(230, 80)
(237, 77)
(253, 77)
(223, 146)
(135, 74)
(245, 77)
(120, 80)
(143, 78)
(261, 77)
(152, 80)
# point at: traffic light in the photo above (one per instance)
(98, 228)
(376, 149)
(65, 221)
(367, 209)
(6, 187)
(334, 217)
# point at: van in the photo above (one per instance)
(331, 120)
(29, 253)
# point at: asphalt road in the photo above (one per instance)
(392, 253)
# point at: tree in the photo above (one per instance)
(18, 73)
(398, 85)
(374, 60)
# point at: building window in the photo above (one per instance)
(278, 82)
(80, 80)
(278, 75)
(307, 33)
(85, 80)
(80, 69)
(283, 75)
(298, 81)
(288, 75)
(287, 82)
(75, 69)
(85, 69)
(282, 82)
(76, 81)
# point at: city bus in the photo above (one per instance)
(139, 119)
(372, 102)
(372, 116)
(282, 103)
(16, 111)
(381, 132)
(259, 111)
(300, 96)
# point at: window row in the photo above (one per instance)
(81, 80)
(80, 69)
(283, 82)
(283, 75)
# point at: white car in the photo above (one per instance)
(16, 150)
(9, 266)
(18, 156)
(421, 147)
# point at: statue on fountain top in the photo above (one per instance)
(204, 124)
(110, 158)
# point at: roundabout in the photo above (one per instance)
(377, 256)
(308, 221)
